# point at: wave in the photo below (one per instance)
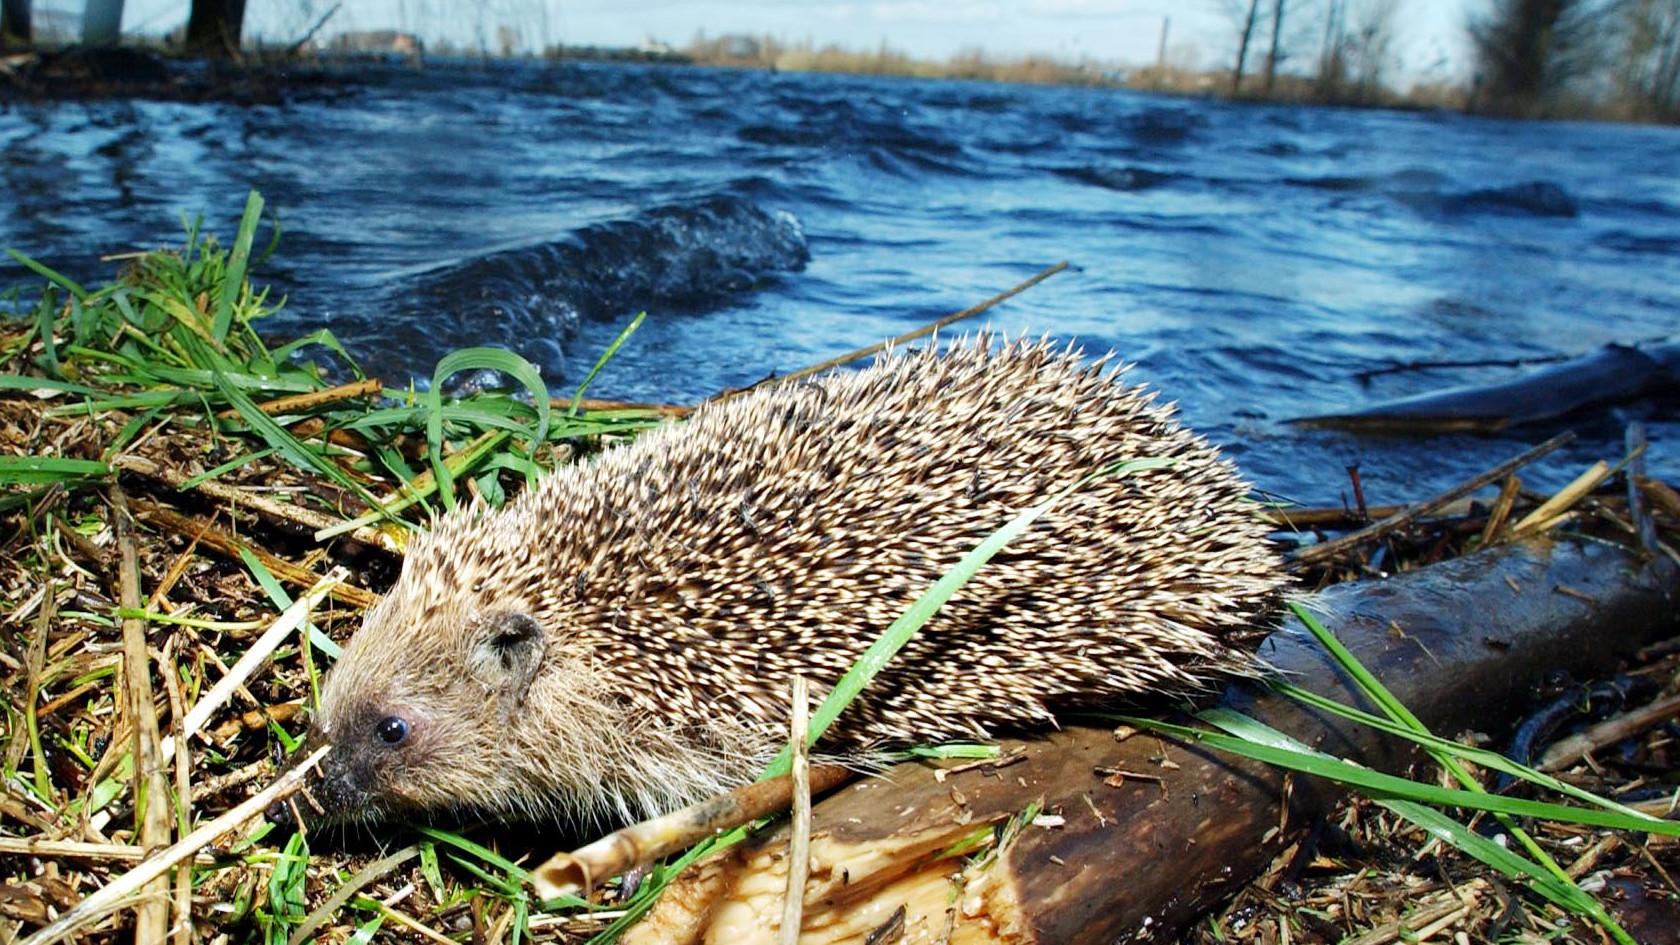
(1537, 198)
(1624, 241)
(684, 257)
(1421, 190)
(1129, 178)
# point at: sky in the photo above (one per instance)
(1429, 33)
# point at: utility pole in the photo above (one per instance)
(1161, 50)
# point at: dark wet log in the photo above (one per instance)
(1612, 374)
(1144, 835)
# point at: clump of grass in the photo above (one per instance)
(1423, 804)
(174, 338)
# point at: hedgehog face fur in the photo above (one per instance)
(620, 639)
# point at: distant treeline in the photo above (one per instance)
(769, 52)
(1615, 59)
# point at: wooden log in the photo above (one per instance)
(1144, 835)
(1612, 374)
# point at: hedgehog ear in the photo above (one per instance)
(506, 652)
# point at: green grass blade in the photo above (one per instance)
(1516, 866)
(68, 284)
(26, 383)
(601, 361)
(475, 850)
(1386, 786)
(886, 646)
(44, 470)
(467, 359)
(243, 459)
(281, 600)
(1396, 710)
(1368, 682)
(284, 443)
(1481, 757)
(233, 280)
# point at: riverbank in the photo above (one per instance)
(173, 484)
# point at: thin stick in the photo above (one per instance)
(1508, 491)
(1551, 509)
(1296, 519)
(302, 517)
(114, 894)
(183, 928)
(1638, 511)
(223, 543)
(921, 332)
(151, 791)
(1660, 495)
(76, 849)
(799, 839)
(1569, 750)
(589, 404)
(580, 870)
(294, 403)
(283, 626)
(1412, 513)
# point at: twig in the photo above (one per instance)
(591, 404)
(1567, 751)
(303, 40)
(1542, 518)
(1297, 519)
(114, 894)
(1644, 526)
(310, 520)
(1412, 513)
(177, 569)
(567, 873)
(1660, 495)
(799, 838)
(283, 626)
(1508, 491)
(367, 874)
(183, 929)
(294, 403)
(76, 849)
(921, 332)
(219, 541)
(151, 791)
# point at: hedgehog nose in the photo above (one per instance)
(280, 815)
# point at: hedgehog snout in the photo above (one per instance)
(339, 789)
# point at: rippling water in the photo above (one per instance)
(1251, 260)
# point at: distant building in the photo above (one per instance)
(388, 42)
(654, 47)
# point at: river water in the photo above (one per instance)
(1251, 260)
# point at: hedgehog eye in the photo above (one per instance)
(392, 730)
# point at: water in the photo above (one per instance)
(1250, 260)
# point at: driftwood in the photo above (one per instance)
(1611, 374)
(1140, 836)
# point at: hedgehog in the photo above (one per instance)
(620, 639)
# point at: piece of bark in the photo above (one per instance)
(1127, 858)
